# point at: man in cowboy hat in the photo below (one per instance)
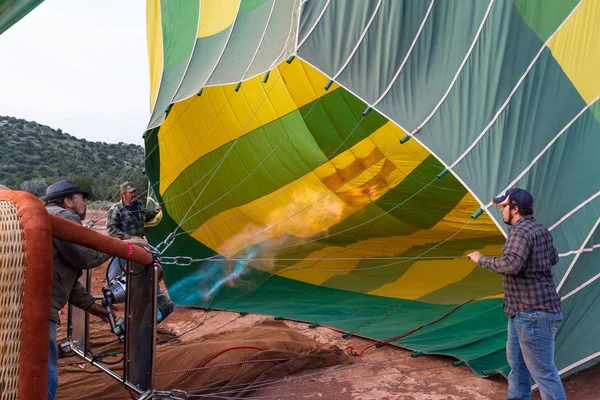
(67, 200)
(531, 302)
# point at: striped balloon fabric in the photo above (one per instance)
(333, 161)
(12, 11)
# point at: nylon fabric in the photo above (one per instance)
(335, 22)
(219, 115)
(245, 38)
(307, 205)
(340, 112)
(207, 51)
(577, 49)
(524, 129)
(155, 48)
(586, 267)
(168, 85)
(579, 308)
(178, 41)
(273, 47)
(216, 16)
(215, 25)
(581, 224)
(484, 83)
(543, 19)
(424, 277)
(330, 214)
(311, 11)
(179, 26)
(441, 46)
(250, 5)
(249, 154)
(12, 11)
(369, 275)
(391, 32)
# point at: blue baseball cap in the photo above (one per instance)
(62, 189)
(515, 197)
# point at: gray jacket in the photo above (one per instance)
(69, 260)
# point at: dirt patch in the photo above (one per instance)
(387, 373)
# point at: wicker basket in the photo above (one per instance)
(12, 272)
(25, 291)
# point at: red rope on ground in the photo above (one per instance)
(229, 349)
(334, 329)
(222, 365)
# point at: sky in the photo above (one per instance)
(81, 66)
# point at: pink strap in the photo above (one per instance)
(129, 250)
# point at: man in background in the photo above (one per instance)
(65, 199)
(126, 221)
(126, 218)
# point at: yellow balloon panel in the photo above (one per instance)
(201, 124)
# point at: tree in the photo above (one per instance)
(36, 187)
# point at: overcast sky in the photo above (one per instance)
(81, 66)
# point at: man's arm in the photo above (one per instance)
(113, 224)
(150, 214)
(555, 256)
(76, 256)
(514, 255)
(80, 298)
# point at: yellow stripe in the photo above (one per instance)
(155, 47)
(424, 277)
(495, 296)
(216, 16)
(211, 120)
(311, 193)
(576, 47)
(235, 229)
(390, 246)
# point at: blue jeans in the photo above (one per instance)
(52, 363)
(530, 353)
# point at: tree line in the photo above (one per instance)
(33, 156)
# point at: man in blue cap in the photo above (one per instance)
(66, 199)
(531, 302)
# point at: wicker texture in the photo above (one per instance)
(12, 272)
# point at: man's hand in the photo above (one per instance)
(474, 256)
(157, 209)
(137, 240)
(99, 311)
(113, 307)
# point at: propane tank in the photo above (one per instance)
(164, 307)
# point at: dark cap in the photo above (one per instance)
(515, 197)
(127, 187)
(62, 189)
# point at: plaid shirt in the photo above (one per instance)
(123, 224)
(526, 267)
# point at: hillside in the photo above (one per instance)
(34, 155)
